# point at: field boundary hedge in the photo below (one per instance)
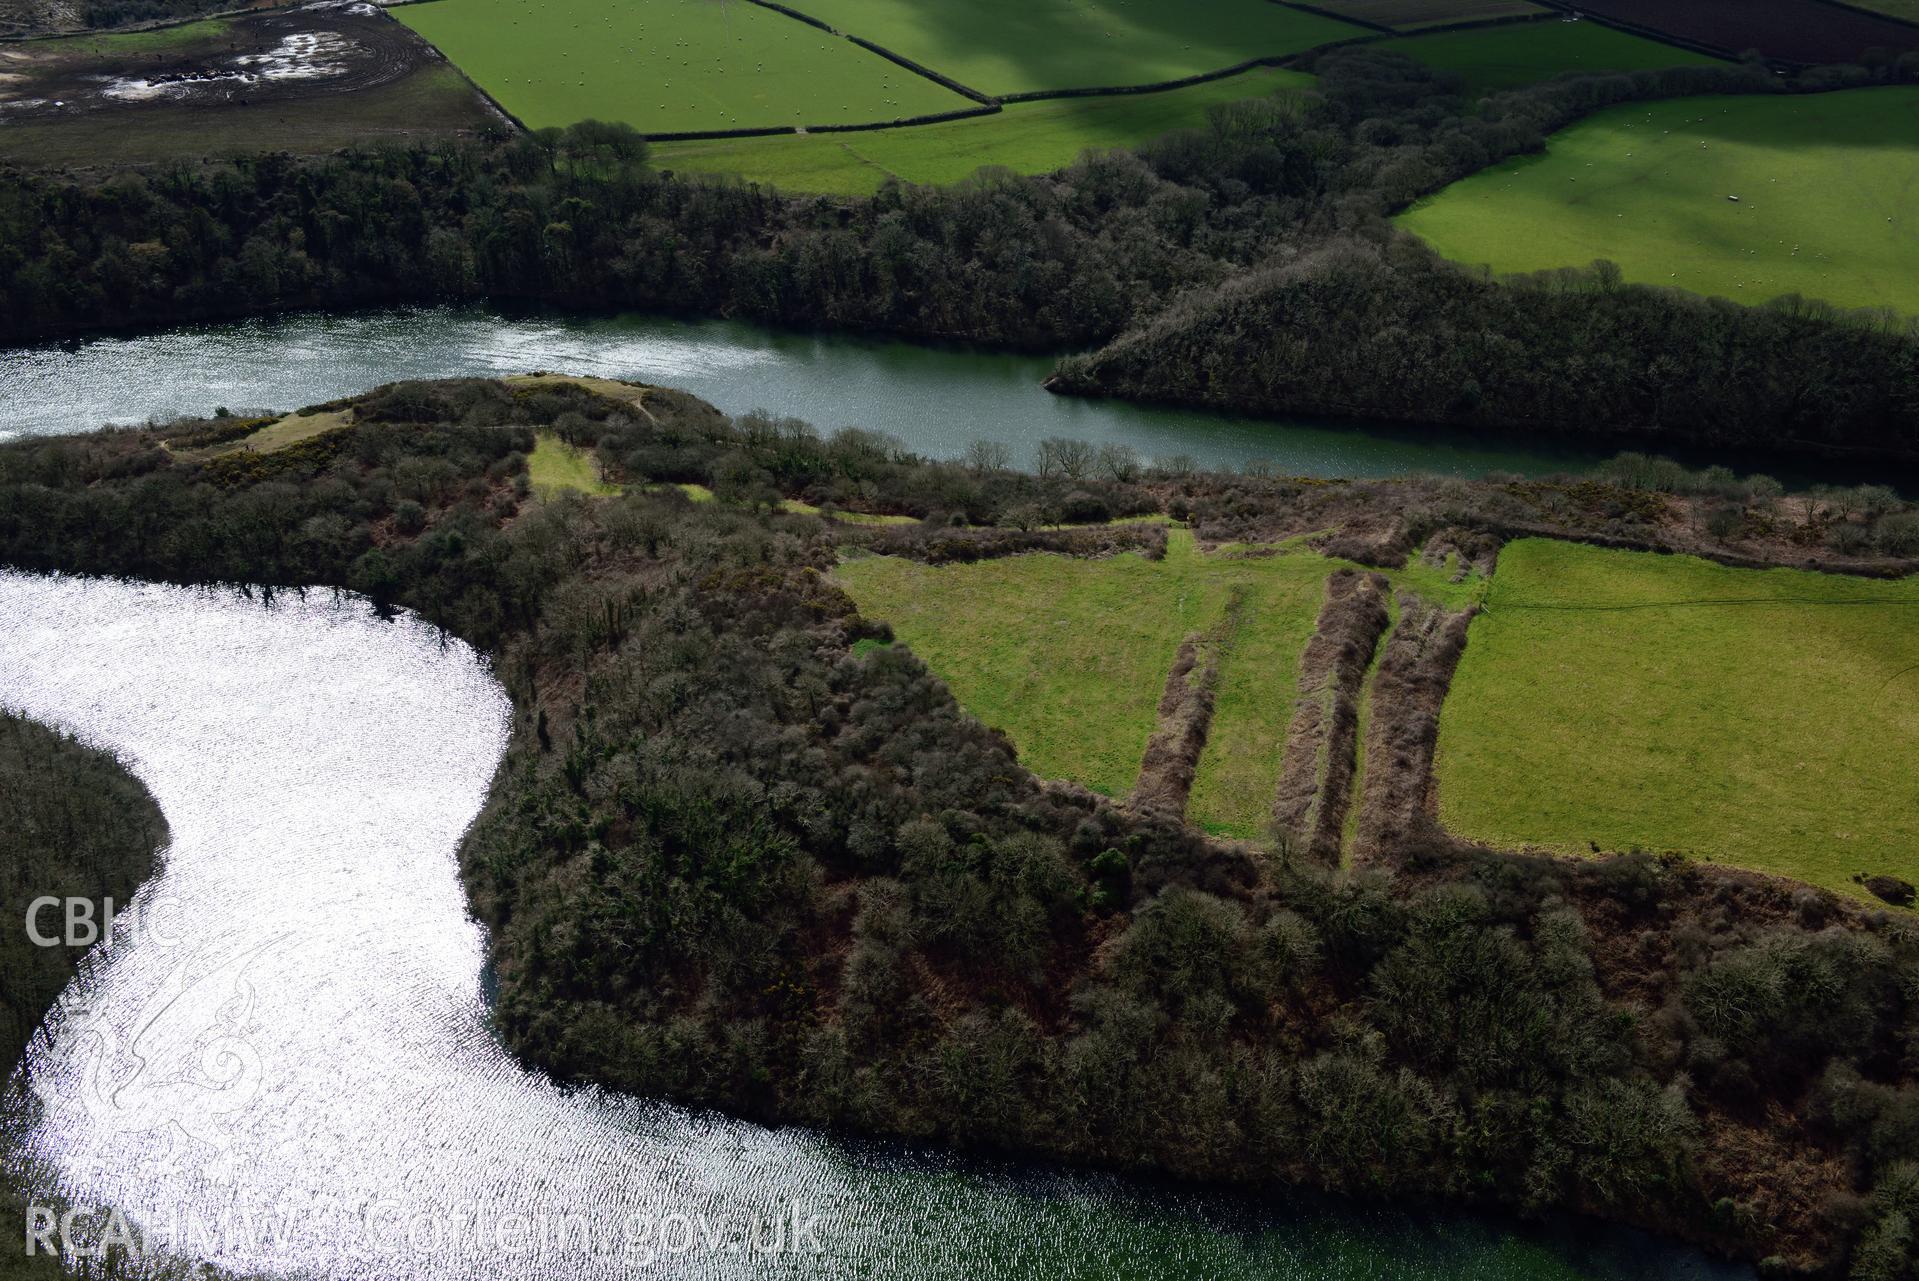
(944, 81)
(1186, 82)
(1349, 20)
(1666, 37)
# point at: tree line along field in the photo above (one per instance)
(1748, 198)
(1764, 719)
(1612, 699)
(1029, 137)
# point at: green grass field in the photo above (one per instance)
(1493, 59)
(1410, 15)
(1070, 656)
(1825, 186)
(670, 66)
(555, 465)
(1024, 46)
(1774, 730)
(1029, 137)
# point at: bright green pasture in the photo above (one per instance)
(1826, 187)
(1023, 46)
(669, 66)
(1492, 59)
(555, 465)
(1029, 137)
(1766, 720)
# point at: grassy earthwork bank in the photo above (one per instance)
(1495, 59)
(1747, 198)
(1762, 719)
(1028, 137)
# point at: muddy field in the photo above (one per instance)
(1790, 30)
(308, 79)
(323, 51)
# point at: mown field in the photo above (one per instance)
(1766, 720)
(1025, 46)
(1410, 15)
(1028, 137)
(1824, 186)
(1492, 59)
(670, 66)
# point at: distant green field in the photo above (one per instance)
(1409, 15)
(1766, 720)
(1825, 186)
(1492, 59)
(1022, 46)
(670, 66)
(1907, 9)
(1029, 137)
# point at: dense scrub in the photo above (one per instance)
(1070, 260)
(73, 825)
(736, 858)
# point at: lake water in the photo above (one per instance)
(937, 400)
(289, 1069)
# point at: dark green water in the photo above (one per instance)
(935, 400)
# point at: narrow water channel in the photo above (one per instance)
(936, 400)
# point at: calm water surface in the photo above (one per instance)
(936, 400)
(289, 1071)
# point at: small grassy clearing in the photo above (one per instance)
(555, 465)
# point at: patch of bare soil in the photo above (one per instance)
(270, 58)
(1408, 691)
(1321, 757)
